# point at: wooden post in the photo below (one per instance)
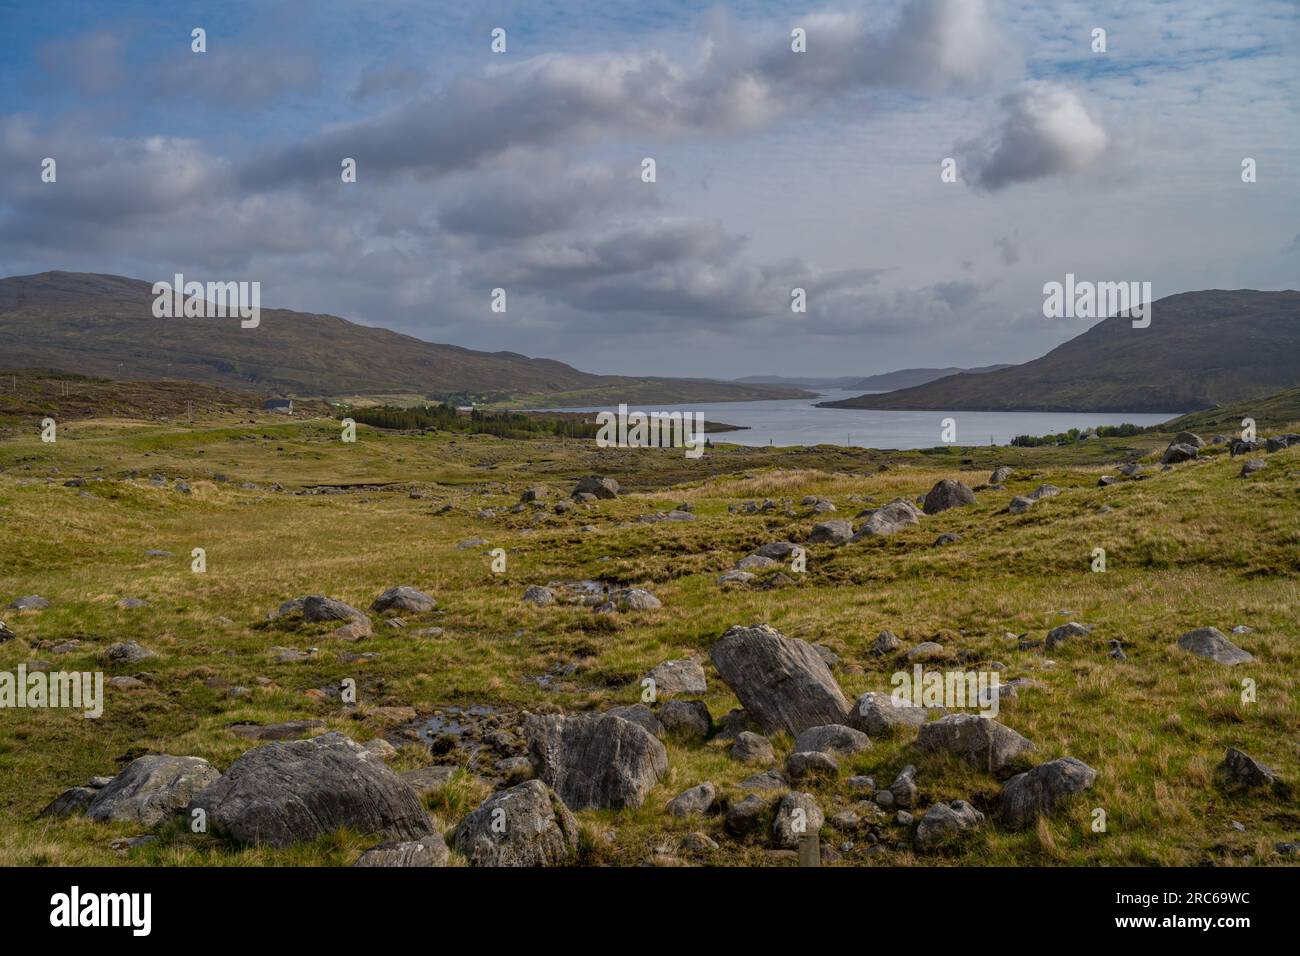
(810, 850)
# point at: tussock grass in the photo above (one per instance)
(1191, 547)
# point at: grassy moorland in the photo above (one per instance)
(1189, 547)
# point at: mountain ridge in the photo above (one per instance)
(101, 324)
(1202, 349)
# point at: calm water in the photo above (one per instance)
(797, 422)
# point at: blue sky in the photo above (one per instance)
(522, 171)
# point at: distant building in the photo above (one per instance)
(282, 405)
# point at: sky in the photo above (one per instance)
(775, 170)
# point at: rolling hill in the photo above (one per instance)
(103, 325)
(1202, 349)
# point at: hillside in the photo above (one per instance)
(1279, 410)
(908, 377)
(1201, 349)
(884, 382)
(103, 325)
(444, 691)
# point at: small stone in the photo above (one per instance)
(752, 748)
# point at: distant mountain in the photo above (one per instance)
(846, 382)
(1201, 349)
(908, 377)
(884, 382)
(103, 325)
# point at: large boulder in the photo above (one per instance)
(1059, 635)
(752, 748)
(888, 519)
(633, 599)
(641, 715)
(879, 716)
(687, 719)
(948, 494)
(782, 683)
(527, 825)
(1209, 642)
(593, 485)
(1189, 438)
(833, 532)
(151, 789)
(679, 677)
(832, 738)
(318, 608)
(595, 760)
(1177, 452)
(774, 551)
(1036, 792)
(980, 741)
(1001, 474)
(426, 851)
(403, 598)
(283, 793)
(797, 815)
(1242, 771)
(946, 822)
(693, 802)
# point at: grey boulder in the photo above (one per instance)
(595, 760)
(832, 738)
(888, 519)
(981, 741)
(427, 851)
(679, 677)
(782, 683)
(833, 532)
(600, 487)
(1209, 642)
(797, 815)
(283, 793)
(1026, 796)
(403, 598)
(693, 802)
(151, 789)
(879, 716)
(945, 822)
(948, 494)
(687, 719)
(527, 825)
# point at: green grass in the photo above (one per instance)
(1190, 547)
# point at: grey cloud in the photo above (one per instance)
(1007, 250)
(242, 77)
(730, 86)
(543, 197)
(1044, 130)
(92, 62)
(379, 78)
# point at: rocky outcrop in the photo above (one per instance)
(284, 793)
(782, 683)
(152, 789)
(1037, 792)
(595, 760)
(980, 741)
(527, 825)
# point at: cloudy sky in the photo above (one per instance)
(522, 170)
